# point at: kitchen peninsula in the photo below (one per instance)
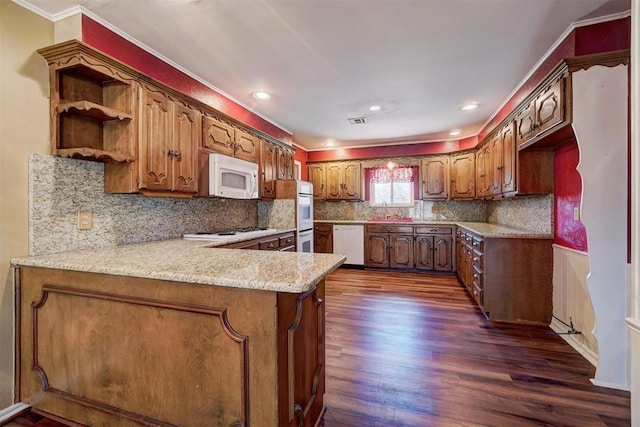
(171, 333)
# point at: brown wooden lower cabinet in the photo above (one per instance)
(509, 278)
(323, 238)
(428, 248)
(276, 242)
(106, 350)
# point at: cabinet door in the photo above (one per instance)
(483, 175)
(284, 164)
(508, 166)
(334, 181)
(525, 124)
(246, 146)
(463, 176)
(316, 177)
(186, 139)
(424, 252)
(377, 251)
(495, 188)
(155, 134)
(442, 253)
(550, 107)
(435, 178)
(218, 136)
(268, 171)
(323, 238)
(401, 251)
(352, 181)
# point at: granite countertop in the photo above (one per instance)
(484, 229)
(197, 261)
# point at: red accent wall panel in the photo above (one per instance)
(301, 156)
(603, 37)
(386, 151)
(112, 44)
(569, 232)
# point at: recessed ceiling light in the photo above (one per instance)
(469, 107)
(375, 108)
(329, 144)
(455, 132)
(261, 95)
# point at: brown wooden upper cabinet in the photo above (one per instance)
(435, 178)
(267, 171)
(463, 176)
(544, 112)
(169, 136)
(344, 181)
(316, 173)
(223, 138)
(484, 171)
(284, 163)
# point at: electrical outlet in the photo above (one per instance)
(576, 214)
(85, 220)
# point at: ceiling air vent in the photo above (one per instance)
(357, 120)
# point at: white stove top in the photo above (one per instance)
(230, 235)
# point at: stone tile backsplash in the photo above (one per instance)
(532, 212)
(60, 187)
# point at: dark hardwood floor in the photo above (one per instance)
(405, 349)
(408, 349)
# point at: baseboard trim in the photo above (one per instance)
(561, 329)
(7, 414)
(610, 385)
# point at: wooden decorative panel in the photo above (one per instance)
(146, 360)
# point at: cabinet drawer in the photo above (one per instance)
(478, 244)
(478, 260)
(478, 294)
(287, 240)
(269, 245)
(434, 230)
(478, 277)
(407, 229)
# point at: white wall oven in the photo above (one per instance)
(304, 216)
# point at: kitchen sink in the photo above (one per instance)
(390, 219)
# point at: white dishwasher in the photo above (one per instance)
(349, 240)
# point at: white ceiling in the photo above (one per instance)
(325, 61)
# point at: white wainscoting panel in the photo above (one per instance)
(571, 301)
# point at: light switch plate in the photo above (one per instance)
(576, 214)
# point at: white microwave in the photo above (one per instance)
(232, 178)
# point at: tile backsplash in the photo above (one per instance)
(531, 212)
(60, 187)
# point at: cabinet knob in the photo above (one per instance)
(170, 153)
(177, 154)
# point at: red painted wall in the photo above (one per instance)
(569, 232)
(301, 156)
(112, 44)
